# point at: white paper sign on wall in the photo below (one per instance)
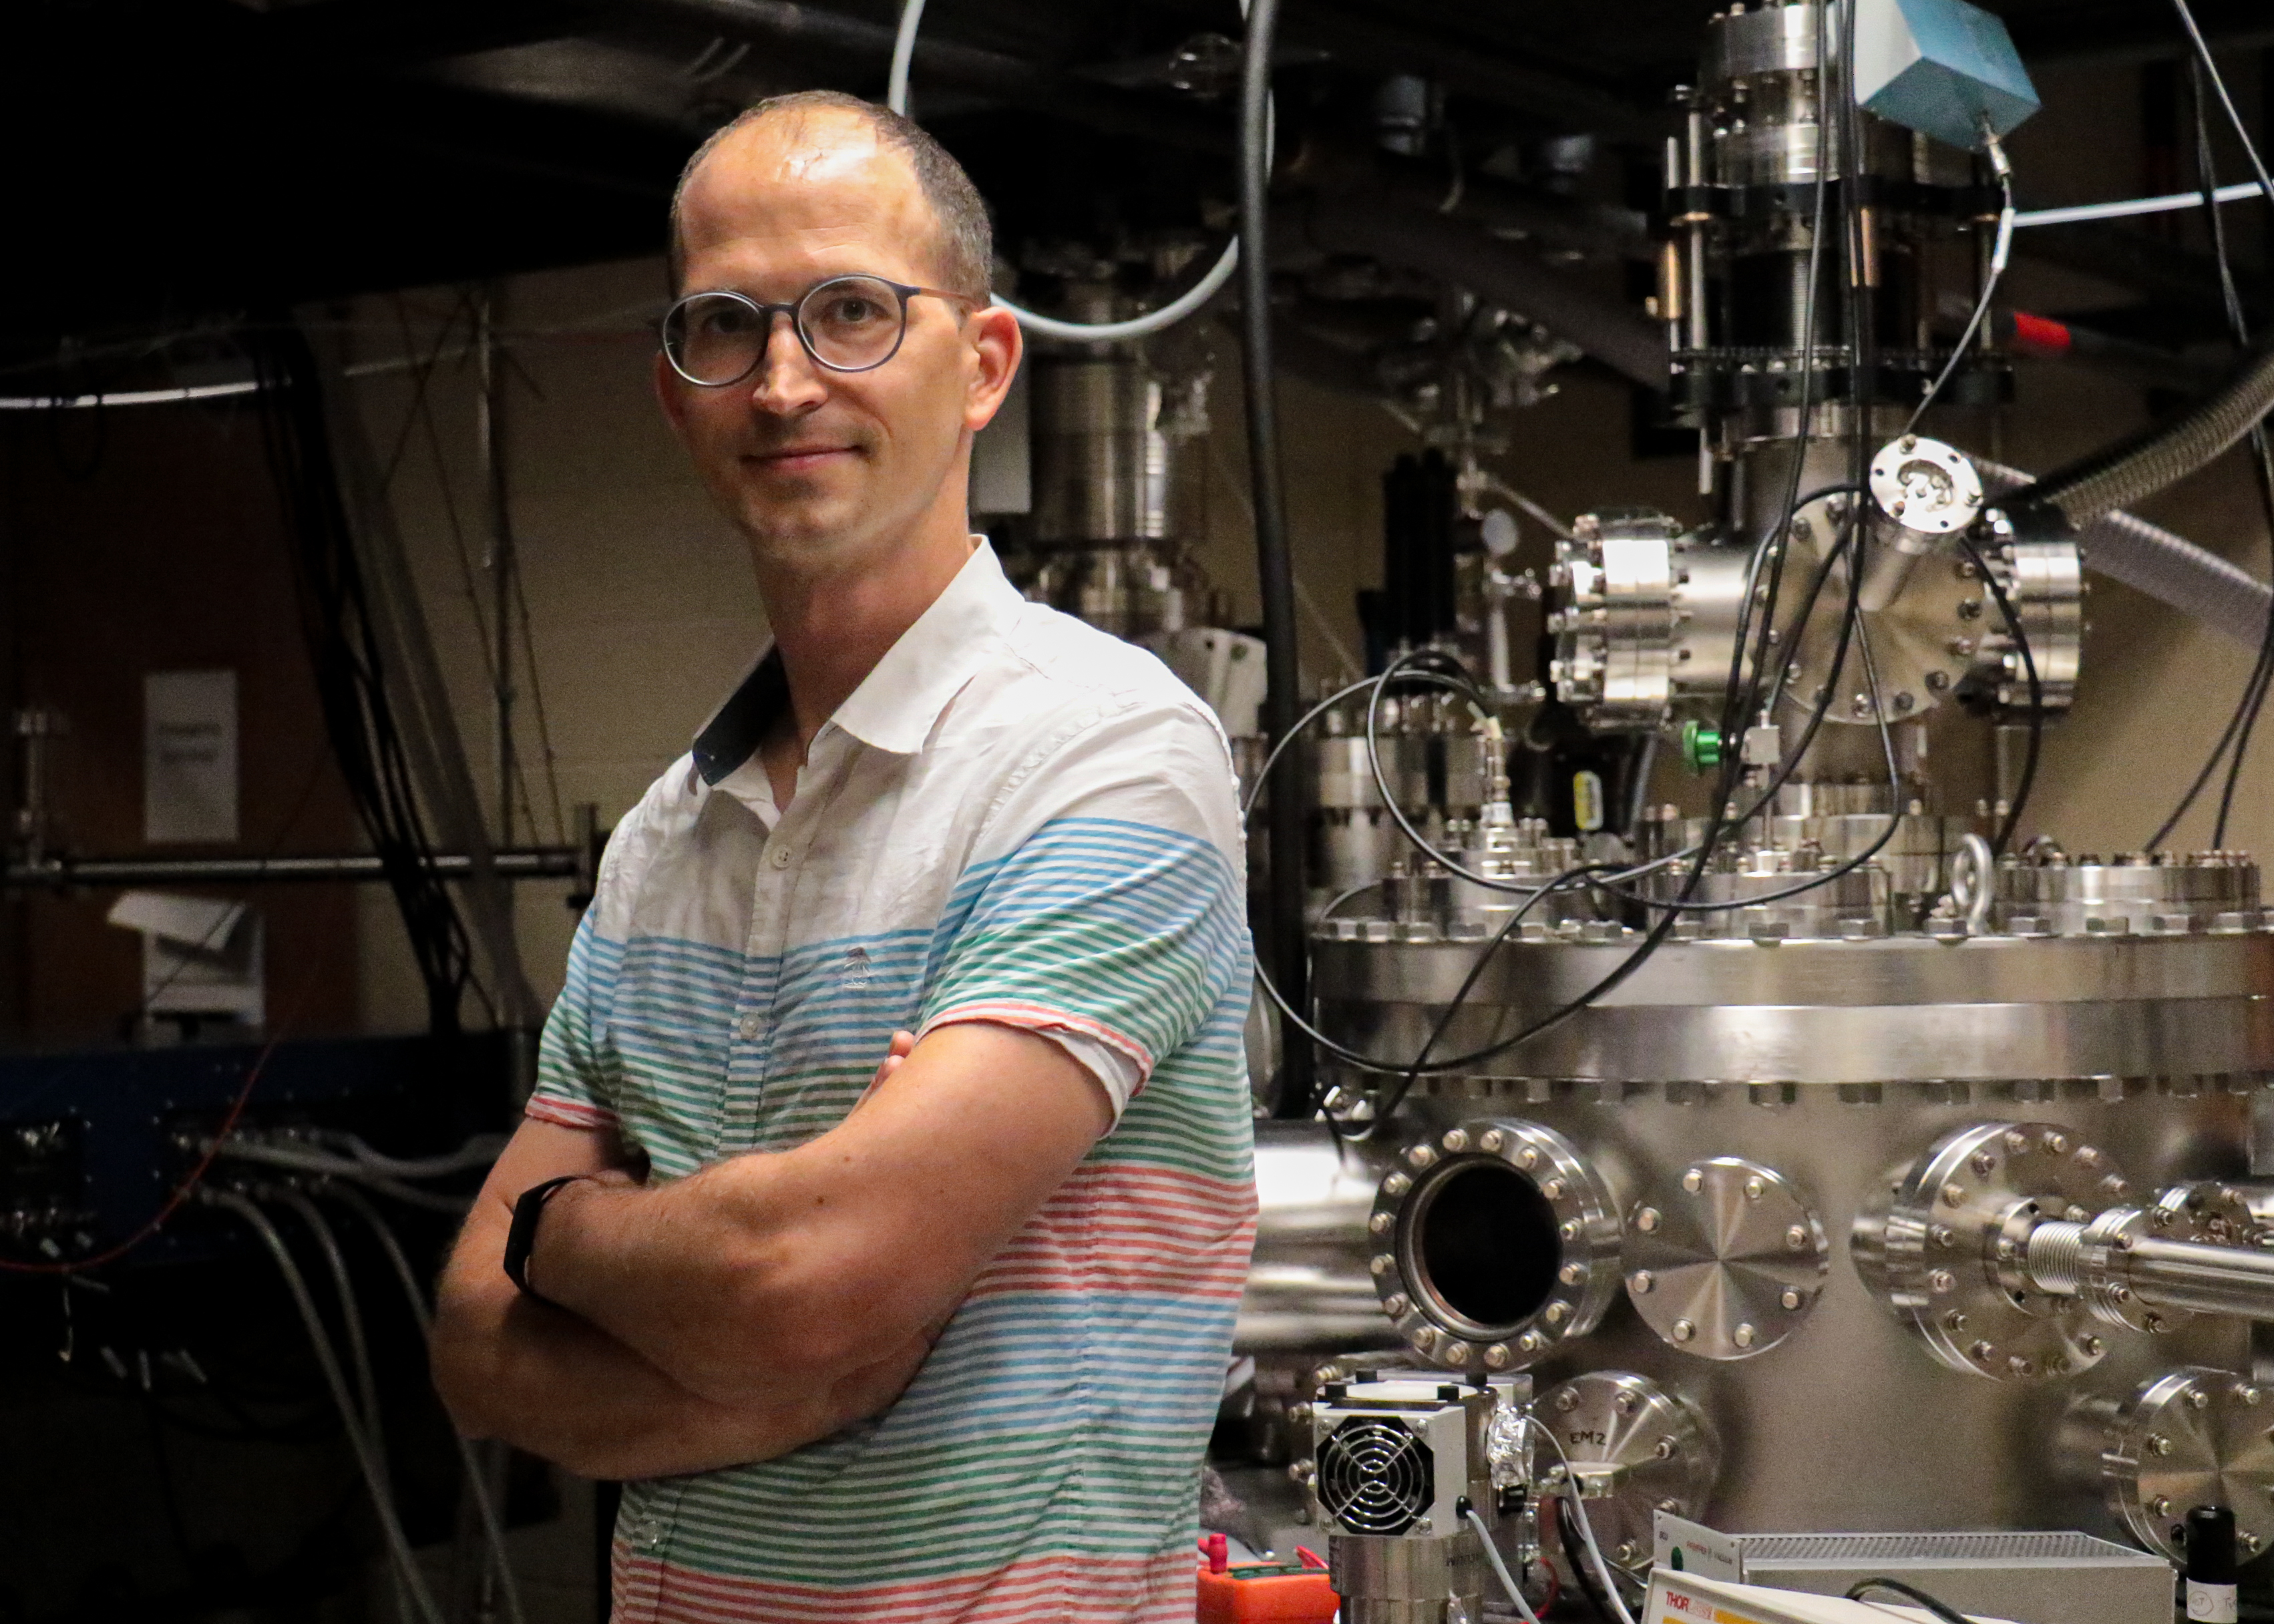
(189, 757)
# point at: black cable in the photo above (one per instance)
(1935, 1604)
(1274, 569)
(2013, 817)
(344, 650)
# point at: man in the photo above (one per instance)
(885, 1197)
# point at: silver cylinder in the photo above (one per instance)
(1405, 1580)
(1308, 1289)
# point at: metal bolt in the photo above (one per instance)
(1796, 1238)
(1982, 1350)
(1743, 1335)
(1983, 1164)
(2019, 1365)
(1571, 1274)
(1683, 1330)
(1528, 1157)
(1664, 1449)
(1382, 1223)
(1754, 1189)
(2157, 1444)
(2248, 1396)
(1647, 1220)
(1396, 1184)
(1670, 1506)
(1492, 1142)
(1953, 1322)
(1626, 1552)
(1497, 1355)
(2151, 1321)
(2087, 1155)
(1556, 1313)
(1381, 1263)
(2017, 1143)
(2055, 1143)
(1456, 1140)
(1423, 1340)
(1395, 1303)
(1553, 1189)
(2161, 1506)
(1693, 1181)
(1567, 1401)
(1941, 1282)
(2197, 1399)
(1454, 1352)
(1419, 1157)
(2115, 1185)
(2250, 1542)
(1641, 1283)
(1569, 1229)
(1532, 1342)
(1955, 1195)
(1943, 1235)
(1791, 1298)
(2093, 1345)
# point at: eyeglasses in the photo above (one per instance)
(847, 324)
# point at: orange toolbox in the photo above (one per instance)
(1281, 1592)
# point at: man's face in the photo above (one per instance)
(822, 469)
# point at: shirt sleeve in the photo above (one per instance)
(570, 1089)
(1104, 908)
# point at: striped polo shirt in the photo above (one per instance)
(1016, 819)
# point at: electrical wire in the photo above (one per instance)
(338, 1167)
(2000, 251)
(896, 97)
(481, 1151)
(1579, 1510)
(1941, 1609)
(328, 1244)
(1500, 1568)
(414, 1296)
(328, 1361)
(1998, 593)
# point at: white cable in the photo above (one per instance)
(2001, 250)
(358, 1353)
(1586, 1529)
(1492, 1555)
(896, 97)
(480, 1151)
(339, 1167)
(485, 1508)
(328, 1361)
(2169, 202)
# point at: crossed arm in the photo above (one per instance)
(769, 1299)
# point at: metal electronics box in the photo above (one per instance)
(2031, 1576)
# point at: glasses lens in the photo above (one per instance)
(715, 338)
(853, 322)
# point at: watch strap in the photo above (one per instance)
(521, 1235)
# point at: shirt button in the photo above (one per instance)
(746, 1028)
(784, 857)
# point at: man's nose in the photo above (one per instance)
(789, 382)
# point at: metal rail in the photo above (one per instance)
(541, 863)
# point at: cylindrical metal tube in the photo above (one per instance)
(1309, 1288)
(2206, 1280)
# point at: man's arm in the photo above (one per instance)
(772, 1276)
(509, 1366)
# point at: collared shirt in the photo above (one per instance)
(1016, 819)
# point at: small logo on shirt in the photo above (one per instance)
(854, 973)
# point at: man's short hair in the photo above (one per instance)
(966, 246)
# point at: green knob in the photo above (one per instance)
(1701, 746)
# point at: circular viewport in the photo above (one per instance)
(1483, 1248)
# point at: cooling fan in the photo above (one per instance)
(1374, 1476)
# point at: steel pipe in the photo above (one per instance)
(543, 862)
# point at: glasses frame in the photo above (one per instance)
(768, 312)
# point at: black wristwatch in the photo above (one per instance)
(520, 1236)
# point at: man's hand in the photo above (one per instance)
(772, 1276)
(511, 1367)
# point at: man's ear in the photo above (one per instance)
(667, 395)
(999, 345)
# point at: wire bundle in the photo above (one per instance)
(344, 648)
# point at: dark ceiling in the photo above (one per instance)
(173, 160)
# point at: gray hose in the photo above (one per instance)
(2169, 568)
(2142, 464)
(484, 1507)
(328, 1361)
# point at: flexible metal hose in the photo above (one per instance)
(2142, 464)
(2169, 568)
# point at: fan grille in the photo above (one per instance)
(1374, 1476)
